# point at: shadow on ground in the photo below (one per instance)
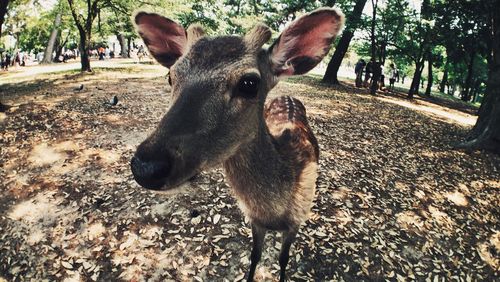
(394, 200)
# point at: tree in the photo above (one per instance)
(84, 25)
(486, 133)
(36, 33)
(47, 54)
(463, 29)
(423, 30)
(353, 21)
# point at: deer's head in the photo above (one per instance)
(219, 86)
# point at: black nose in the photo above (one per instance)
(150, 174)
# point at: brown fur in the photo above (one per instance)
(287, 121)
(218, 114)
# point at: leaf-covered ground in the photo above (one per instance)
(394, 200)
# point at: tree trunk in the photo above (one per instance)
(59, 48)
(375, 78)
(85, 30)
(374, 16)
(419, 66)
(486, 132)
(3, 10)
(465, 95)
(56, 46)
(376, 65)
(334, 64)
(430, 78)
(444, 81)
(475, 90)
(47, 54)
(123, 46)
(383, 52)
(129, 48)
(84, 51)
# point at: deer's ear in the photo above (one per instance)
(304, 43)
(165, 39)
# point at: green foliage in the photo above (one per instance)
(452, 31)
(202, 12)
(36, 33)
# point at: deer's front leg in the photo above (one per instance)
(258, 234)
(288, 239)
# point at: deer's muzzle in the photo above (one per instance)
(150, 174)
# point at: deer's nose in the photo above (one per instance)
(150, 174)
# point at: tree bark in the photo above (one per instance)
(374, 16)
(383, 50)
(59, 47)
(430, 78)
(475, 90)
(419, 66)
(47, 54)
(486, 132)
(84, 26)
(129, 47)
(465, 95)
(375, 78)
(84, 51)
(444, 81)
(376, 65)
(123, 45)
(334, 64)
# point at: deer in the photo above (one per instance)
(219, 115)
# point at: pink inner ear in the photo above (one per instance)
(312, 43)
(164, 38)
(309, 38)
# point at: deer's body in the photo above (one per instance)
(218, 115)
(274, 177)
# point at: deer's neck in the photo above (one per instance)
(258, 166)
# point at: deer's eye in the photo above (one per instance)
(248, 86)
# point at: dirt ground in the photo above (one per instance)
(394, 200)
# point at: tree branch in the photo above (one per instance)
(75, 16)
(414, 58)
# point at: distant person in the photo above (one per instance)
(101, 53)
(17, 60)
(141, 53)
(7, 62)
(392, 76)
(382, 77)
(368, 72)
(358, 70)
(24, 58)
(106, 52)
